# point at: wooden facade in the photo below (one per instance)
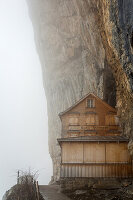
(96, 170)
(91, 142)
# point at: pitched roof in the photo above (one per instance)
(94, 139)
(90, 94)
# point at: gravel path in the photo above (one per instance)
(51, 192)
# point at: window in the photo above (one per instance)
(110, 120)
(90, 103)
(73, 121)
(92, 119)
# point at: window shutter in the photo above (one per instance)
(73, 120)
(92, 119)
(110, 120)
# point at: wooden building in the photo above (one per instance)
(91, 141)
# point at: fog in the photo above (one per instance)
(23, 108)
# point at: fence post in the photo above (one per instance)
(18, 177)
(37, 189)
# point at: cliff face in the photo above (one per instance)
(84, 46)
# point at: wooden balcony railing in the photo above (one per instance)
(93, 127)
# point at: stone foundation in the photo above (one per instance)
(71, 184)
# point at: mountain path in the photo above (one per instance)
(51, 192)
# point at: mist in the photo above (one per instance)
(23, 106)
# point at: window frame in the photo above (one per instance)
(92, 104)
(89, 118)
(109, 118)
(75, 118)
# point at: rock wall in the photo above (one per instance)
(116, 30)
(97, 188)
(84, 46)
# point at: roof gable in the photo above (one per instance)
(82, 99)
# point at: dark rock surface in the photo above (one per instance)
(103, 192)
(84, 46)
